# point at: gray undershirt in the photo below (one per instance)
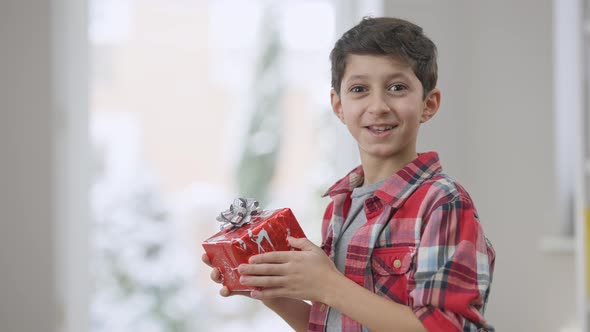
(355, 219)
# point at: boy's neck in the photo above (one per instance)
(376, 170)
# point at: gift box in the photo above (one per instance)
(248, 231)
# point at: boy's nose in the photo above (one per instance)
(378, 104)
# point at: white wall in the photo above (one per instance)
(495, 134)
(42, 89)
(517, 192)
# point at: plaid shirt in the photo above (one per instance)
(422, 246)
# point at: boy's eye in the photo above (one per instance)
(397, 87)
(358, 89)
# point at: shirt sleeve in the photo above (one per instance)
(454, 267)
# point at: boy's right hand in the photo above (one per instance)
(272, 303)
(216, 276)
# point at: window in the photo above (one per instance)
(189, 101)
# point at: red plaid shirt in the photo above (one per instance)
(422, 246)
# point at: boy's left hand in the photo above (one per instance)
(294, 274)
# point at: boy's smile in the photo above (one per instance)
(381, 130)
(381, 103)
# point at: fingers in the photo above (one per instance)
(262, 269)
(263, 281)
(216, 275)
(301, 243)
(206, 260)
(269, 293)
(218, 278)
(272, 257)
(224, 292)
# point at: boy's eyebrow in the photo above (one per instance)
(389, 77)
(398, 75)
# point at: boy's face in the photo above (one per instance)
(381, 102)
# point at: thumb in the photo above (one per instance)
(301, 243)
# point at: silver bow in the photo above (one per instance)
(240, 212)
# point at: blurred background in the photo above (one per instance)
(126, 126)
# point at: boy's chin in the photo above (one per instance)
(389, 154)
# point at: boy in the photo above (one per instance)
(402, 246)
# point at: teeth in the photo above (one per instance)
(381, 128)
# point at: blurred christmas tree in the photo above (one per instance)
(259, 156)
(142, 277)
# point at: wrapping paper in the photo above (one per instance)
(265, 231)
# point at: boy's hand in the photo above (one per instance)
(216, 276)
(295, 274)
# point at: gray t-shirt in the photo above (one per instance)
(355, 219)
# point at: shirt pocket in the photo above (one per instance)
(391, 268)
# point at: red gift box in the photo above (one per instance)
(267, 231)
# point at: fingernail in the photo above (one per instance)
(241, 268)
(252, 260)
(255, 294)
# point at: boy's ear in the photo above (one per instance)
(431, 105)
(336, 104)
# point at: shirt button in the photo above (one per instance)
(323, 307)
(397, 263)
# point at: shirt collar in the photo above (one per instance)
(352, 180)
(395, 190)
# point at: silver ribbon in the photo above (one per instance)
(240, 213)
